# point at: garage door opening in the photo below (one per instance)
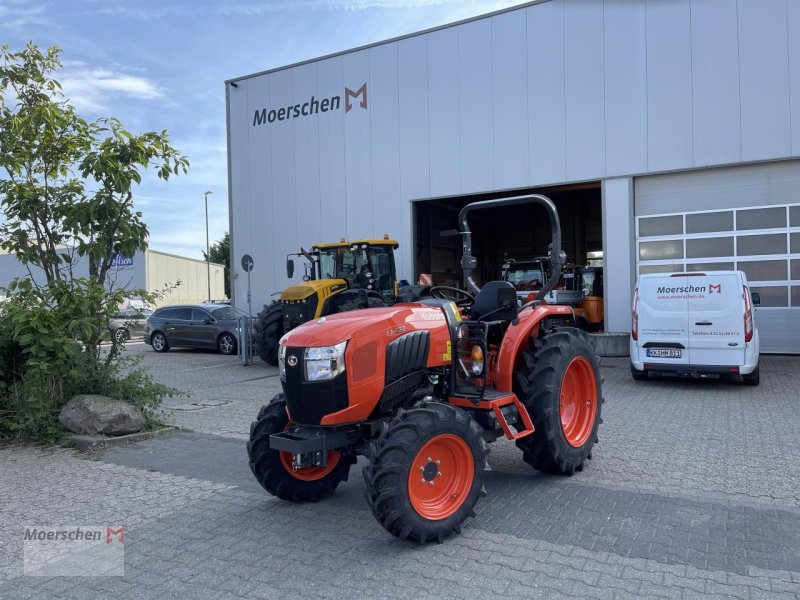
(514, 232)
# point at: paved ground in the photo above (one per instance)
(694, 491)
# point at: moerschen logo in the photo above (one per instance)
(313, 106)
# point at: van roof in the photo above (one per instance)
(690, 274)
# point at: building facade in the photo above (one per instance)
(667, 132)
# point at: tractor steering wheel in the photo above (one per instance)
(460, 297)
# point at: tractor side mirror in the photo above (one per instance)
(756, 298)
(289, 268)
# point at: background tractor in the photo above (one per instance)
(338, 277)
(421, 388)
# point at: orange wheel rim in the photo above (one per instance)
(578, 401)
(441, 476)
(308, 473)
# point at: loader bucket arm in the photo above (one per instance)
(557, 256)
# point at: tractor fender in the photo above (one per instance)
(517, 339)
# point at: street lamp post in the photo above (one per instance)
(208, 249)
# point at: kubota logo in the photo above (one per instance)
(714, 288)
(313, 106)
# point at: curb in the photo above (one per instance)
(610, 344)
(101, 442)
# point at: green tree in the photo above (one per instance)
(220, 253)
(67, 194)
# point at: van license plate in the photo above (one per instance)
(663, 353)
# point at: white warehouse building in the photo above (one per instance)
(666, 131)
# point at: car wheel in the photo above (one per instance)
(121, 335)
(159, 342)
(226, 344)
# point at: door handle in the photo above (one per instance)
(703, 323)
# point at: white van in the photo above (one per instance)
(694, 324)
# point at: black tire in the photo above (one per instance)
(753, 378)
(269, 329)
(121, 336)
(538, 383)
(226, 344)
(269, 469)
(392, 460)
(159, 342)
(638, 375)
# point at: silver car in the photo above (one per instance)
(128, 323)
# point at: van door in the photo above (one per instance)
(663, 320)
(716, 320)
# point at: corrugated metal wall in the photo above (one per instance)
(166, 270)
(561, 91)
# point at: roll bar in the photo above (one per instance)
(557, 256)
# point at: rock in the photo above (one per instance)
(91, 414)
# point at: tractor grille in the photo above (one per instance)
(309, 401)
(297, 312)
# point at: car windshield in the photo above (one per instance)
(228, 313)
(518, 276)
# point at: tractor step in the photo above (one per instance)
(507, 410)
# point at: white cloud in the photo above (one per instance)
(92, 89)
(18, 15)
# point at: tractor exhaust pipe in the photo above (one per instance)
(556, 254)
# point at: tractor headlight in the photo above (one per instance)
(282, 361)
(324, 363)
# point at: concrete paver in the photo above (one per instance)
(694, 491)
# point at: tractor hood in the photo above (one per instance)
(303, 290)
(390, 321)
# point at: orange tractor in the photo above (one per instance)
(421, 388)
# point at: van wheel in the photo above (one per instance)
(638, 375)
(752, 378)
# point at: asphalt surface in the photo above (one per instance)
(694, 491)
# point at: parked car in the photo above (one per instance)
(194, 326)
(695, 324)
(127, 323)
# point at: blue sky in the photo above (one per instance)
(161, 64)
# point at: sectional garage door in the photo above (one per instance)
(745, 218)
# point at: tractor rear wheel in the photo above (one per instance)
(273, 469)
(559, 382)
(269, 329)
(426, 472)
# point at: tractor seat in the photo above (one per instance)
(497, 301)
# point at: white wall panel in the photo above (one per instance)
(443, 116)
(766, 128)
(625, 69)
(547, 115)
(793, 27)
(412, 75)
(261, 206)
(618, 250)
(331, 150)
(510, 100)
(669, 85)
(306, 159)
(284, 203)
(583, 85)
(384, 114)
(358, 149)
(240, 163)
(715, 82)
(475, 86)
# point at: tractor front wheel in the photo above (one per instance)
(559, 382)
(426, 472)
(273, 469)
(269, 329)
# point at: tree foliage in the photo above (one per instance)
(67, 196)
(220, 253)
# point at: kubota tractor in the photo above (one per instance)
(421, 388)
(338, 277)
